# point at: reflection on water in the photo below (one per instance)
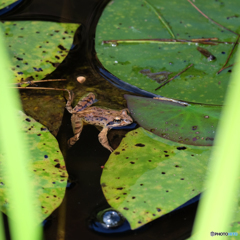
(109, 221)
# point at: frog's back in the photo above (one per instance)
(99, 116)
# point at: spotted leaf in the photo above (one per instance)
(48, 171)
(36, 48)
(148, 176)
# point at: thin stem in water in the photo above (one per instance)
(211, 19)
(174, 76)
(229, 56)
(43, 88)
(208, 41)
(160, 18)
(225, 68)
(39, 81)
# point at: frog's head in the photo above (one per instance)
(126, 119)
(123, 119)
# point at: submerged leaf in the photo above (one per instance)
(36, 48)
(194, 124)
(48, 171)
(148, 176)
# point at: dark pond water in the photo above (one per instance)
(84, 197)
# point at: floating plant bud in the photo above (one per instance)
(81, 79)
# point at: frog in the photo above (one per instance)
(106, 118)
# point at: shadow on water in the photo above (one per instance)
(84, 197)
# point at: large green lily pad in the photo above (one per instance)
(36, 48)
(48, 168)
(194, 124)
(148, 176)
(130, 61)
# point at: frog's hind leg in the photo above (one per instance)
(77, 125)
(85, 102)
(102, 137)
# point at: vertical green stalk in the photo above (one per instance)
(217, 205)
(23, 218)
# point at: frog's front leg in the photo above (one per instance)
(69, 102)
(77, 125)
(102, 137)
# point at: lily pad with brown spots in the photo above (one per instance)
(36, 48)
(48, 171)
(148, 176)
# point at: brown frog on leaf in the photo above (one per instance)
(103, 117)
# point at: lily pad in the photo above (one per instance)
(48, 168)
(148, 176)
(194, 124)
(5, 3)
(145, 44)
(36, 48)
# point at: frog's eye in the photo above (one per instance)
(117, 120)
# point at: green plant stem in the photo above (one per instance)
(24, 223)
(217, 204)
(160, 18)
